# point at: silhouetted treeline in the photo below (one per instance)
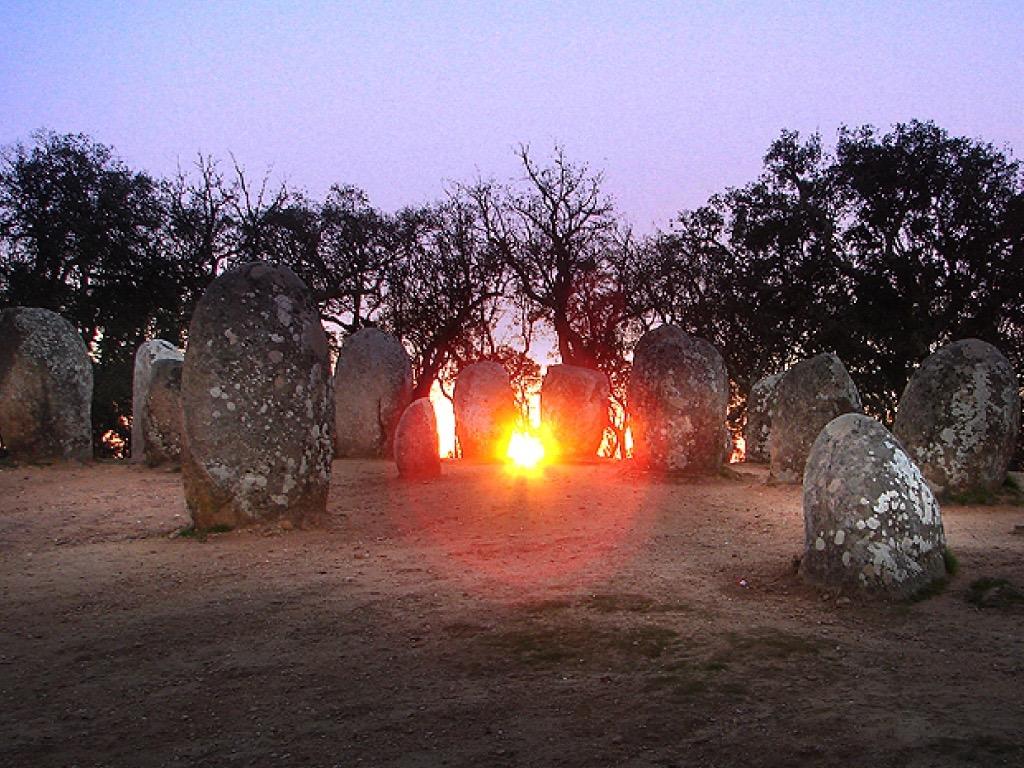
(880, 250)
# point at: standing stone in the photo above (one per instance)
(416, 448)
(678, 396)
(760, 405)
(574, 408)
(959, 417)
(372, 387)
(870, 521)
(146, 355)
(485, 411)
(45, 387)
(257, 401)
(809, 396)
(161, 413)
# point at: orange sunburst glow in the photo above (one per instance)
(525, 451)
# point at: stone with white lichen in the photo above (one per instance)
(959, 418)
(678, 395)
(46, 385)
(485, 411)
(871, 523)
(257, 401)
(148, 353)
(416, 445)
(808, 396)
(161, 413)
(372, 387)
(760, 405)
(574, 409)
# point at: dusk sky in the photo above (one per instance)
(673, 101)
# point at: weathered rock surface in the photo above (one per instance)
(959, 418)
(760, 404)
(145, 356)
(257, 401)
(809, 396)
(45, 387)
(871, 523)
(372, 387)
(485, 410)
(678, 395)
(416, 446)
(574, 408)
(161, 413)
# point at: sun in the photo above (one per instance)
(525, 450)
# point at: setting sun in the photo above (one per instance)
(525, 450)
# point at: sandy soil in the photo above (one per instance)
(592, 617)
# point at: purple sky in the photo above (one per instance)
(672, 100)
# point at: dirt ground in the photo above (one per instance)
(589, 617)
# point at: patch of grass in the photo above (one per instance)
(973, 498)
(951, 561)
(989, 592)
(191, 532)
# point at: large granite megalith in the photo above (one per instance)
(416, 448)
(870, 521)
(161, 413)
(145, 356)
(678, 396)
(574, 409)
(959, 418)
(257, 401)
(485, 411)
(45, 387)
(809, 396)
(760, 405)
(372, 387)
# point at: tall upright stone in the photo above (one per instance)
(485, 411)
(959, 418)
(145, 356)
(809, 396)
(574, 409)
(372, 387)
(45, 387)
(257, 401)
(416, 447)
(760, 405)
(161, 413)
(678, 396)
(871, 523)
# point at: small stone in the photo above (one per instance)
(416, 444)
(147, 355)
(574, 407)
(485, 411)
(760, 406)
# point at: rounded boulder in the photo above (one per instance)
(809, 396)
(959, 418)
(257, 401)
(678, 395)
(485, 410)
(161, 414)
(146, 356)
(416, 447)
(372, 387)
(46, 384)
(871, 522)
(574, 409)
(760, 405)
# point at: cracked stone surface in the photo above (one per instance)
(257, 401)
(808, 396)
(46, 382)
(372, 387)
(678, 395)
(871, 523)
(959, 417)
(574, 407)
